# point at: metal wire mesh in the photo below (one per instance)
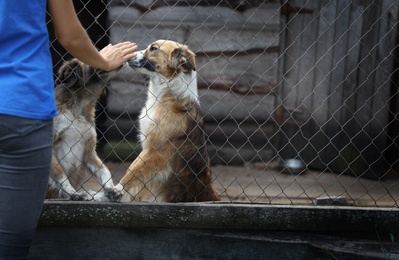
(314, 81)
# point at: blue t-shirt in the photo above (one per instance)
(26, 77)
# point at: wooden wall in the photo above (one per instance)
(336, 96)
(317, 82)
(236, 46)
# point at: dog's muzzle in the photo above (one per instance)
(141, 61)
(135, 63)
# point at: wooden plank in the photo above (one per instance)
(205, 29)
(335, 100)
(307, 81)
(380, 103)
(393, 130)
(292, 53)
(143, 36)
(324, 54)
(337, 74)
(364, 151)
(346, 151)
(217, 106)
(385, 57)
(220, 106)
(351, 64)
(304, 94)
(368, 62)
(223, 38)
(242, 73)
(322, 81)
(288, 92)
(237, 5)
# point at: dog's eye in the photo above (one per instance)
(153, 48)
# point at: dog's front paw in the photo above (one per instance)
(81, 196)
(112, 194)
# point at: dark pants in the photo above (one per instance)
(25, 161)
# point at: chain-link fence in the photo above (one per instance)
(299, 97)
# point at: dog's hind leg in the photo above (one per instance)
(145, 177)
(100, 170)
(60, 185)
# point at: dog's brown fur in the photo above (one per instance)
(74, 147)
(174, 163)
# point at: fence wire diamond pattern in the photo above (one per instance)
(300, 98)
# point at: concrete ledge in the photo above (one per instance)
(222, 216)
(88, 230)
(155, 243)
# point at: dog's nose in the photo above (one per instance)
(135, 63)
(138, 61)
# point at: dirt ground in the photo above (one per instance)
(255, 184)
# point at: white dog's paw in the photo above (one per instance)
(81, 196)
(112, 194)
(108, 194)
(100, 196)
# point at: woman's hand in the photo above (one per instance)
(116, 55)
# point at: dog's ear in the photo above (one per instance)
(183, 58)
(70, 73)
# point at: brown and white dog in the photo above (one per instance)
(174, 163)
(74, 147)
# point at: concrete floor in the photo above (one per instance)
(255, 184)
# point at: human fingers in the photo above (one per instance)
(118, 54)
(124, 48)
(124, 44)
(129, 56)
(128, 50)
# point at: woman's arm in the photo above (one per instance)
(73, 37)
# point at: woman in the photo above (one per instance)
(27, 107)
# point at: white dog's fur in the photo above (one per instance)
(75, 137)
